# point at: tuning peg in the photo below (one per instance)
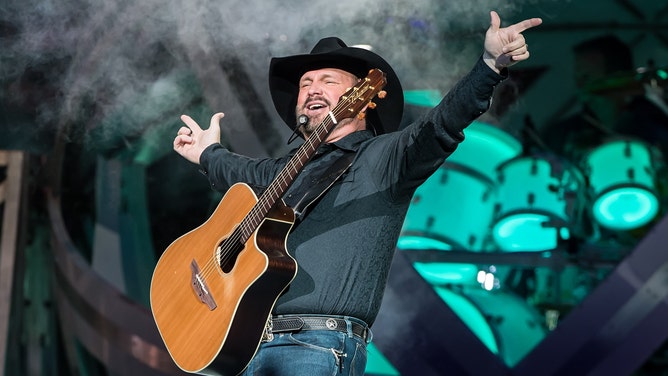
(372, 105)
(382, 94)
(361, 115)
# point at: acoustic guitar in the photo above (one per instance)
(213, 289)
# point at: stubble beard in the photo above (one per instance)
(315, 121)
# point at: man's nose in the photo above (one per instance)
(315, 88)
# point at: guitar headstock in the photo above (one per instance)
(354, 100)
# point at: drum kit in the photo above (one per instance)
(491, 195)
(488, 196)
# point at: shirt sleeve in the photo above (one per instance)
(224, 168)
(415, 152)
(466, 101)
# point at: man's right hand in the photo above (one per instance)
(191, 140)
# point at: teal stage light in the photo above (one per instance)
(626, 208)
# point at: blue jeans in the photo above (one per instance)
(310, 353)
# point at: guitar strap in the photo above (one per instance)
(302, 196)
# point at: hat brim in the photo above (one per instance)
(285, 72)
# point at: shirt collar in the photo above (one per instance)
(353, 141)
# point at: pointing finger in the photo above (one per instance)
(526, 24)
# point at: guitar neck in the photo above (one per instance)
(285, 178)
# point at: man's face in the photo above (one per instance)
(319, 92)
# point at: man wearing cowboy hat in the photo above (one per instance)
(346, 232)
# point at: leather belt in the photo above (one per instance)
(294, 323)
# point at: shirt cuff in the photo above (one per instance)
(487, 78)
(206, 156)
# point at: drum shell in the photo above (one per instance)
(634, 165)
(484, 148)
(454, 206)
(544, 187)
(622, 183)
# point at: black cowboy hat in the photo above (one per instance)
(332, 52)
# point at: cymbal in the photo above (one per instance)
(629, 82)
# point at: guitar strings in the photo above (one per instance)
(225, 251)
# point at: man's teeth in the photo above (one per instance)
(315, 106)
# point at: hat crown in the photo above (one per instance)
(328, 44)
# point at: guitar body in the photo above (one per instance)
(221, 336)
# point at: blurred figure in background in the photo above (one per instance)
(596, 62)
(615, 101)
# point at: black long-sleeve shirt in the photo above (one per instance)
(345, 244)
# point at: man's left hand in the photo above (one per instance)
(506, 46)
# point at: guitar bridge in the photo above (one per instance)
(199, 285)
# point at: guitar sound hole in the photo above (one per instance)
(228, 253)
